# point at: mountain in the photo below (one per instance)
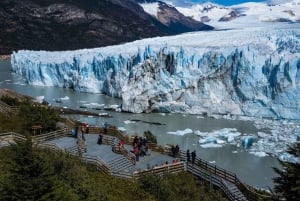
(251, 71)
(251, 12)
(75, 24)
(171, 17)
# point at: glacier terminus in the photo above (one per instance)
(251, 72)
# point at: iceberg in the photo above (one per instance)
(181, 132)
(251, 71)
(211, 145)
(259, 154)
(209, 140)
(247, 141)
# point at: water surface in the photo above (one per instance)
(253, 170)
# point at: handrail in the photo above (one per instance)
(5, 108)
(212, 169)
(161, 170)
(51, 135)
(125, 153)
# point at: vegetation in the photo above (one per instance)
(10, 100)
(150, 137)
(31, 173)
(40, 174)
(178, 187)
(28, 115)
(287, 184)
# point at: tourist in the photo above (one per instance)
(121, 144)
(173, 151)
(99, 139)
(105, 127)
(136, 153)
(87, 129)
(193, 156)
(177, 150)
(188, 156)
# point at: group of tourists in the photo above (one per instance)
(175, 150)
(140, 147)
(188, 156)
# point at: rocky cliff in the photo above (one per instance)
(73, 24)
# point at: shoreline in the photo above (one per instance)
(5, 57)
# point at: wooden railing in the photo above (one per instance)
(130, 156)
(112, 131)
(7, 109)
(52, 135)
(211, 172)
(161, 170)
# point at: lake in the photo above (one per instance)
(253, 170)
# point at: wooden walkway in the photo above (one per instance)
(123, 164)
(118, 163)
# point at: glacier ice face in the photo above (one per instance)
(253, 72)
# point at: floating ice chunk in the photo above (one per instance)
(247, 141)
(181, 132)
(39, 99)
(129, 122)
(114, 106)
(289, 158)
(258, 153)
(65, 98)
(121, 129)
(208, 140)
(234, 152)
(229, 134)
(220, 141)
(199, 133)
(261, 134)
(211, 145)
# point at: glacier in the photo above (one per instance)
(251, 72)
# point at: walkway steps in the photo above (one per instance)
(120, 163)
(238, 195)
(230, 189)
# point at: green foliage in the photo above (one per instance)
(156, 186)
(28, 116)
(287, 184)
(28, 177)
(178, 187)
(28, 173)
(38, 115)
(10, 100)
(150, 136)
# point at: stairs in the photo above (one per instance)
(235, 193)
(120, 164)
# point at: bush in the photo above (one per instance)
(10, 101)
(150, 136)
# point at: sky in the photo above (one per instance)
(221, 2)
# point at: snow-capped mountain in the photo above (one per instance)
(206, 12)
(250, 71)
(169, 16)
(271, 11)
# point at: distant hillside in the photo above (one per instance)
(74, 24)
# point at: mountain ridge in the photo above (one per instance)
(74, 24)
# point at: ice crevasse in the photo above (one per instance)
(253, 72)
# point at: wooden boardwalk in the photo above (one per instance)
(117, 162)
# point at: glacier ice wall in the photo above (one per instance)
(252, 72)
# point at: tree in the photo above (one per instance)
(287, 185)
(27, 176)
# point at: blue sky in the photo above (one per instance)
(221, 2)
